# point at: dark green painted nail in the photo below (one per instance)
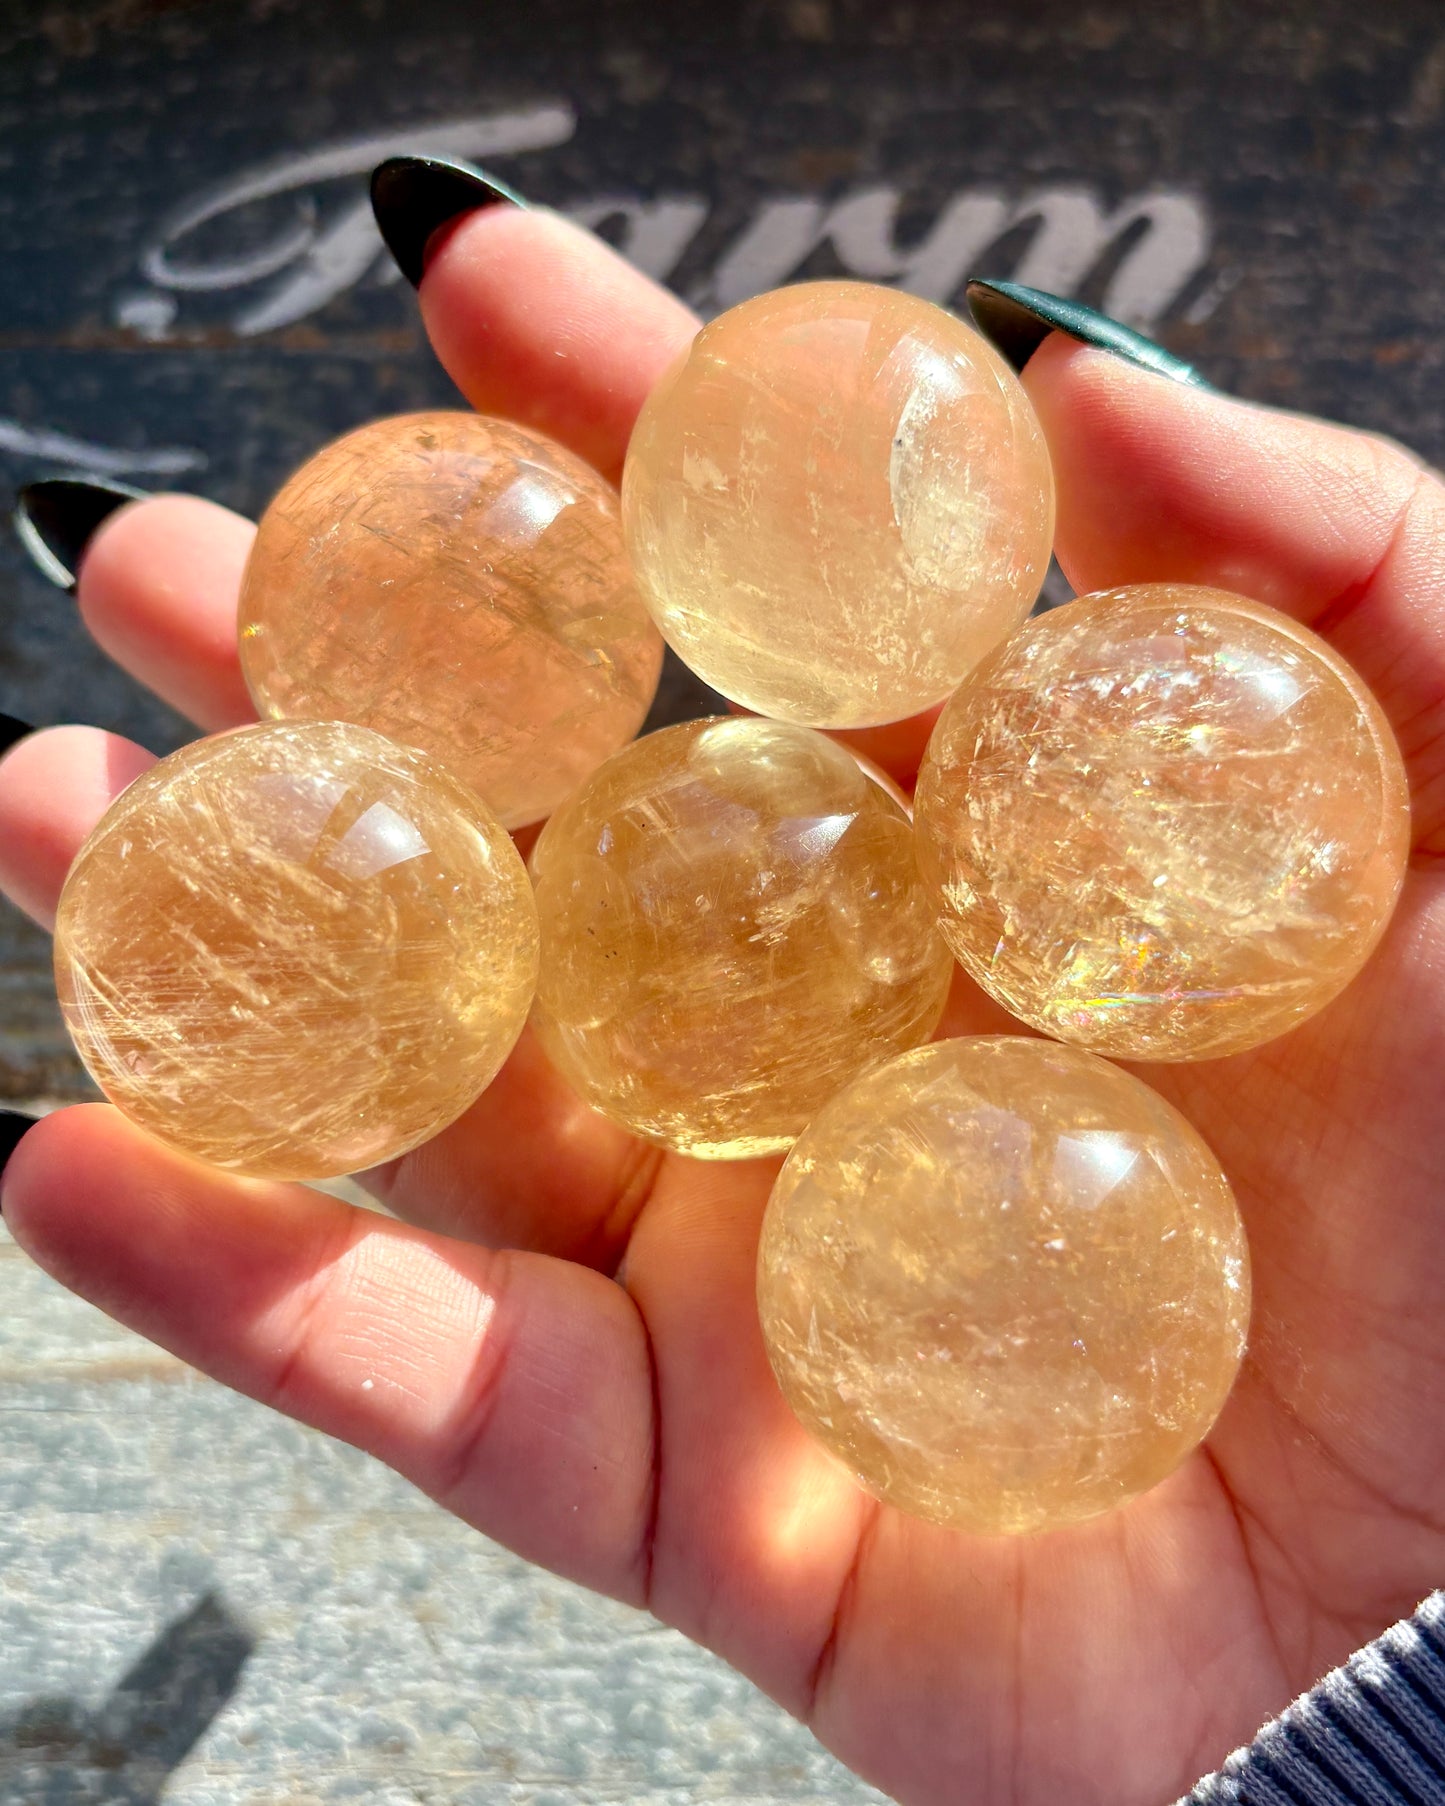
(56, 519)
(413, 196)
(1018, 320)
(12, 728)
(12, 1127)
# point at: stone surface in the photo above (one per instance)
(1005, 1282)
(1164, 823)
(459, 584)
(296, 950)
(732, 927)
(836, 501)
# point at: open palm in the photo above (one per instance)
(560, 1341)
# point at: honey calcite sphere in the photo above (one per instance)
(459, 584)
(1005, 1282)
(732, 927)
(296, 950)
(836, 501)
(1163, 822)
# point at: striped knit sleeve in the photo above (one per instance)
(1370, 1734)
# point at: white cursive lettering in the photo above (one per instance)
(1159, 240)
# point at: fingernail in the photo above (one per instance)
(413, 196)
(1018, 320)
(12, 728)
(56, 519)
(12, 1127)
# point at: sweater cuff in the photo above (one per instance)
(1370, 1734)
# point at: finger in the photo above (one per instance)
(528, 1166)
(531, 1166)
(514, 1389)
(158, 588)
(1345, 531)
(540, 321)
(54, 788)
(521, 1392)
(755, 1525)
(537, 320)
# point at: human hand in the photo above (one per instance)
(560, 1341)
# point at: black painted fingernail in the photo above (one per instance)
(12, 1127)
(12, 728)
(1018, 320)
(412, 196)
(55, 520)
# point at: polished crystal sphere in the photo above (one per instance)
(1163, 822)
(836, 501)
(459, 584)
(1005, 1282)
(296, 950)
(732, 927)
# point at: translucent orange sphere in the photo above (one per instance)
(296, 950)
(459, 584)
(836, 501)
(732, 927)
(1163, 822)
(1005, 1282)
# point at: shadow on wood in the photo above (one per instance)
(58, 1752)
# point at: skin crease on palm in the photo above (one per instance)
(560, 1341)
